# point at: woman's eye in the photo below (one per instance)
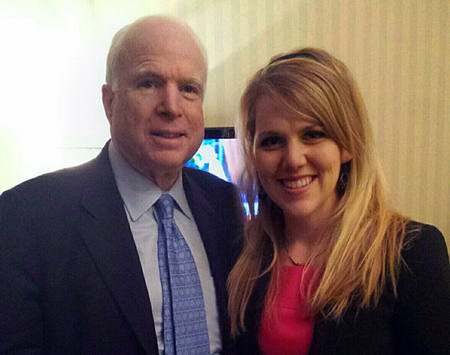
(272, 142)
(313, 135)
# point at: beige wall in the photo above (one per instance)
(398, 50)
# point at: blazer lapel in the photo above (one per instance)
(108, 237)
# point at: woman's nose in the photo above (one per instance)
(295, 155)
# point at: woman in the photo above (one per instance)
(327, 266)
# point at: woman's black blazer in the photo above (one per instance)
(416, 322)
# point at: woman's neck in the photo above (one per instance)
(304, 230)
(301, 238)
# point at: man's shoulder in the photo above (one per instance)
(207, 180)
(62, 187)
(63, 178)
(67, 178)
(210, 190)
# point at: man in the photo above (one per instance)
(79, 270)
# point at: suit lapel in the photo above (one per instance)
(108, 237)
(212, 229)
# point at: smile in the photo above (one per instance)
(296, 184)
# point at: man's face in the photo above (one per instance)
(155, 105)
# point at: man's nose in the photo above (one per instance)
(170, 102)
(295, 155)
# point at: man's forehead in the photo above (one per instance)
(160, 34)
(177, 48)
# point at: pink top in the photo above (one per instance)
(290, 331)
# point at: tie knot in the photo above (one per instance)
(164, 207)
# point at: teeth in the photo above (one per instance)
(297, 183)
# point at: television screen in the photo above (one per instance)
(220, 155)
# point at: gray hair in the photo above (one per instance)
(118, 39)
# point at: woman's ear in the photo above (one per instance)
(345, 156)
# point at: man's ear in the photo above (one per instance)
(108, 98)
(345, 156)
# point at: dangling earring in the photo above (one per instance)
(343, 179)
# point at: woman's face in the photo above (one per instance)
(297, 164)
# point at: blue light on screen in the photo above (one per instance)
(218, 156)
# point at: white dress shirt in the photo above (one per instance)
(139, 194)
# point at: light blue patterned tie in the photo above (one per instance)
(184, 315)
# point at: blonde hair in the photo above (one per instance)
(361, 253)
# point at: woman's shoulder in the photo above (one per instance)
(422, 311)
(425, 249)
(415, 228)
(423, 236)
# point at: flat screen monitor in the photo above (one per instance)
(220, 155)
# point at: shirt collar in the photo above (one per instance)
(138, 193)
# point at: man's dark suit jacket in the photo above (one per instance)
(416, 322)
(70, 277)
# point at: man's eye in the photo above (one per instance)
(313, 135)
(272, 142)
(146, 84)
(189, 89)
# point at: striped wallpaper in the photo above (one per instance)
(398, 50)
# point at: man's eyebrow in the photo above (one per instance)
(161, 78)
(149, 74)
(196, 82)
(192, 80)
